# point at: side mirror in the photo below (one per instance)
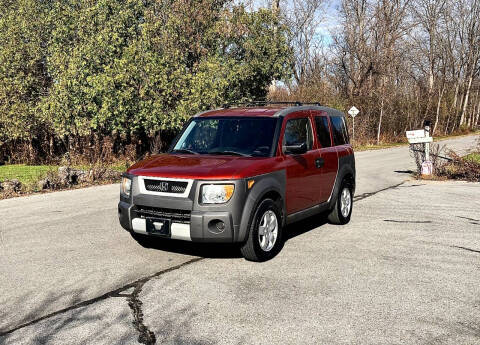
(297, 149)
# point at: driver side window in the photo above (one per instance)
(298, 131)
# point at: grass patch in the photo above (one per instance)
(119, 166)
(465, 168)
(26, 174)
(474, 157)
(30, 176)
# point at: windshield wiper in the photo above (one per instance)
(185, 151)
(233, 153)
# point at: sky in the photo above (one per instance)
(330, 22)
(328, 16)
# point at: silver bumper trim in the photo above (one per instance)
(179, 231)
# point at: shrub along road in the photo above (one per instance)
(405, 270)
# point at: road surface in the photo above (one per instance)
(405, 270)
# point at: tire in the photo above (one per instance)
(258, 247)
(339, 214)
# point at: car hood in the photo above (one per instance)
(200, 166)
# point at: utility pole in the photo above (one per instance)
(276, 14)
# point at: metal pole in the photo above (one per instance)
(427, 145)
(353, 128)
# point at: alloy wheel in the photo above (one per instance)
(268, 230)
(345, 202)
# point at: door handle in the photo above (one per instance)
(319, 162)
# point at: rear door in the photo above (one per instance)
(327, 155)
(340, 137)
(302, 178)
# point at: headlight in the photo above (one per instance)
(217, 193)
(126, 186)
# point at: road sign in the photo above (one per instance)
(353, 111)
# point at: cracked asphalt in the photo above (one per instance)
(406, 270)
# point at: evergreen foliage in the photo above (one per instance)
(73, 72)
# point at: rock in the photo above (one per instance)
(12, 185)
(81, 176)
(43, 184)
(69, 176)
(84, 177)
(64, 175)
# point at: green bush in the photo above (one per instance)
(73, 72)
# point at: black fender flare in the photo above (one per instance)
(343, 171)
(264, 184)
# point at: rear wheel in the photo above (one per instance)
(342, 211)
(265, 235)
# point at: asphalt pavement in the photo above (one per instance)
(405, 270)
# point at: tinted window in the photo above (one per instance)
(298, 131)
(339, 130)
(323, 132)
(247, 136)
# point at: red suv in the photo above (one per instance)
(239, 175)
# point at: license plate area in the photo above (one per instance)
(158, 226)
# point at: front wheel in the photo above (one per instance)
(265, 235)
(342, 211)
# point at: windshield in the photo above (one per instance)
(246, 136)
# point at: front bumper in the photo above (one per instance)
(190, 220)
(202, 226)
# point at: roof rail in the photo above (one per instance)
(260, 103)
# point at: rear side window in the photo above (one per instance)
(339, 130)
(323, 131)
(298, 131)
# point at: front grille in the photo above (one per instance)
(165, 186)
(179, 216)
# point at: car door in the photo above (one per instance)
(302, 178)
(340, 137)
(327, 155)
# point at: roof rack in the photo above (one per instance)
(260, 103)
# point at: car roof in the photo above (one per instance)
(266, 111)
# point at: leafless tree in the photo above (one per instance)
(399, 61)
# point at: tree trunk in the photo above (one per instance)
(438, 108)
(476, 123)
(275, 6)
(455, 98)
(445, 131)
(51, 147)
(472, 120)
(465, 100)
(453, 109)
(380, 121)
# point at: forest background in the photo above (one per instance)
(114, 80)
